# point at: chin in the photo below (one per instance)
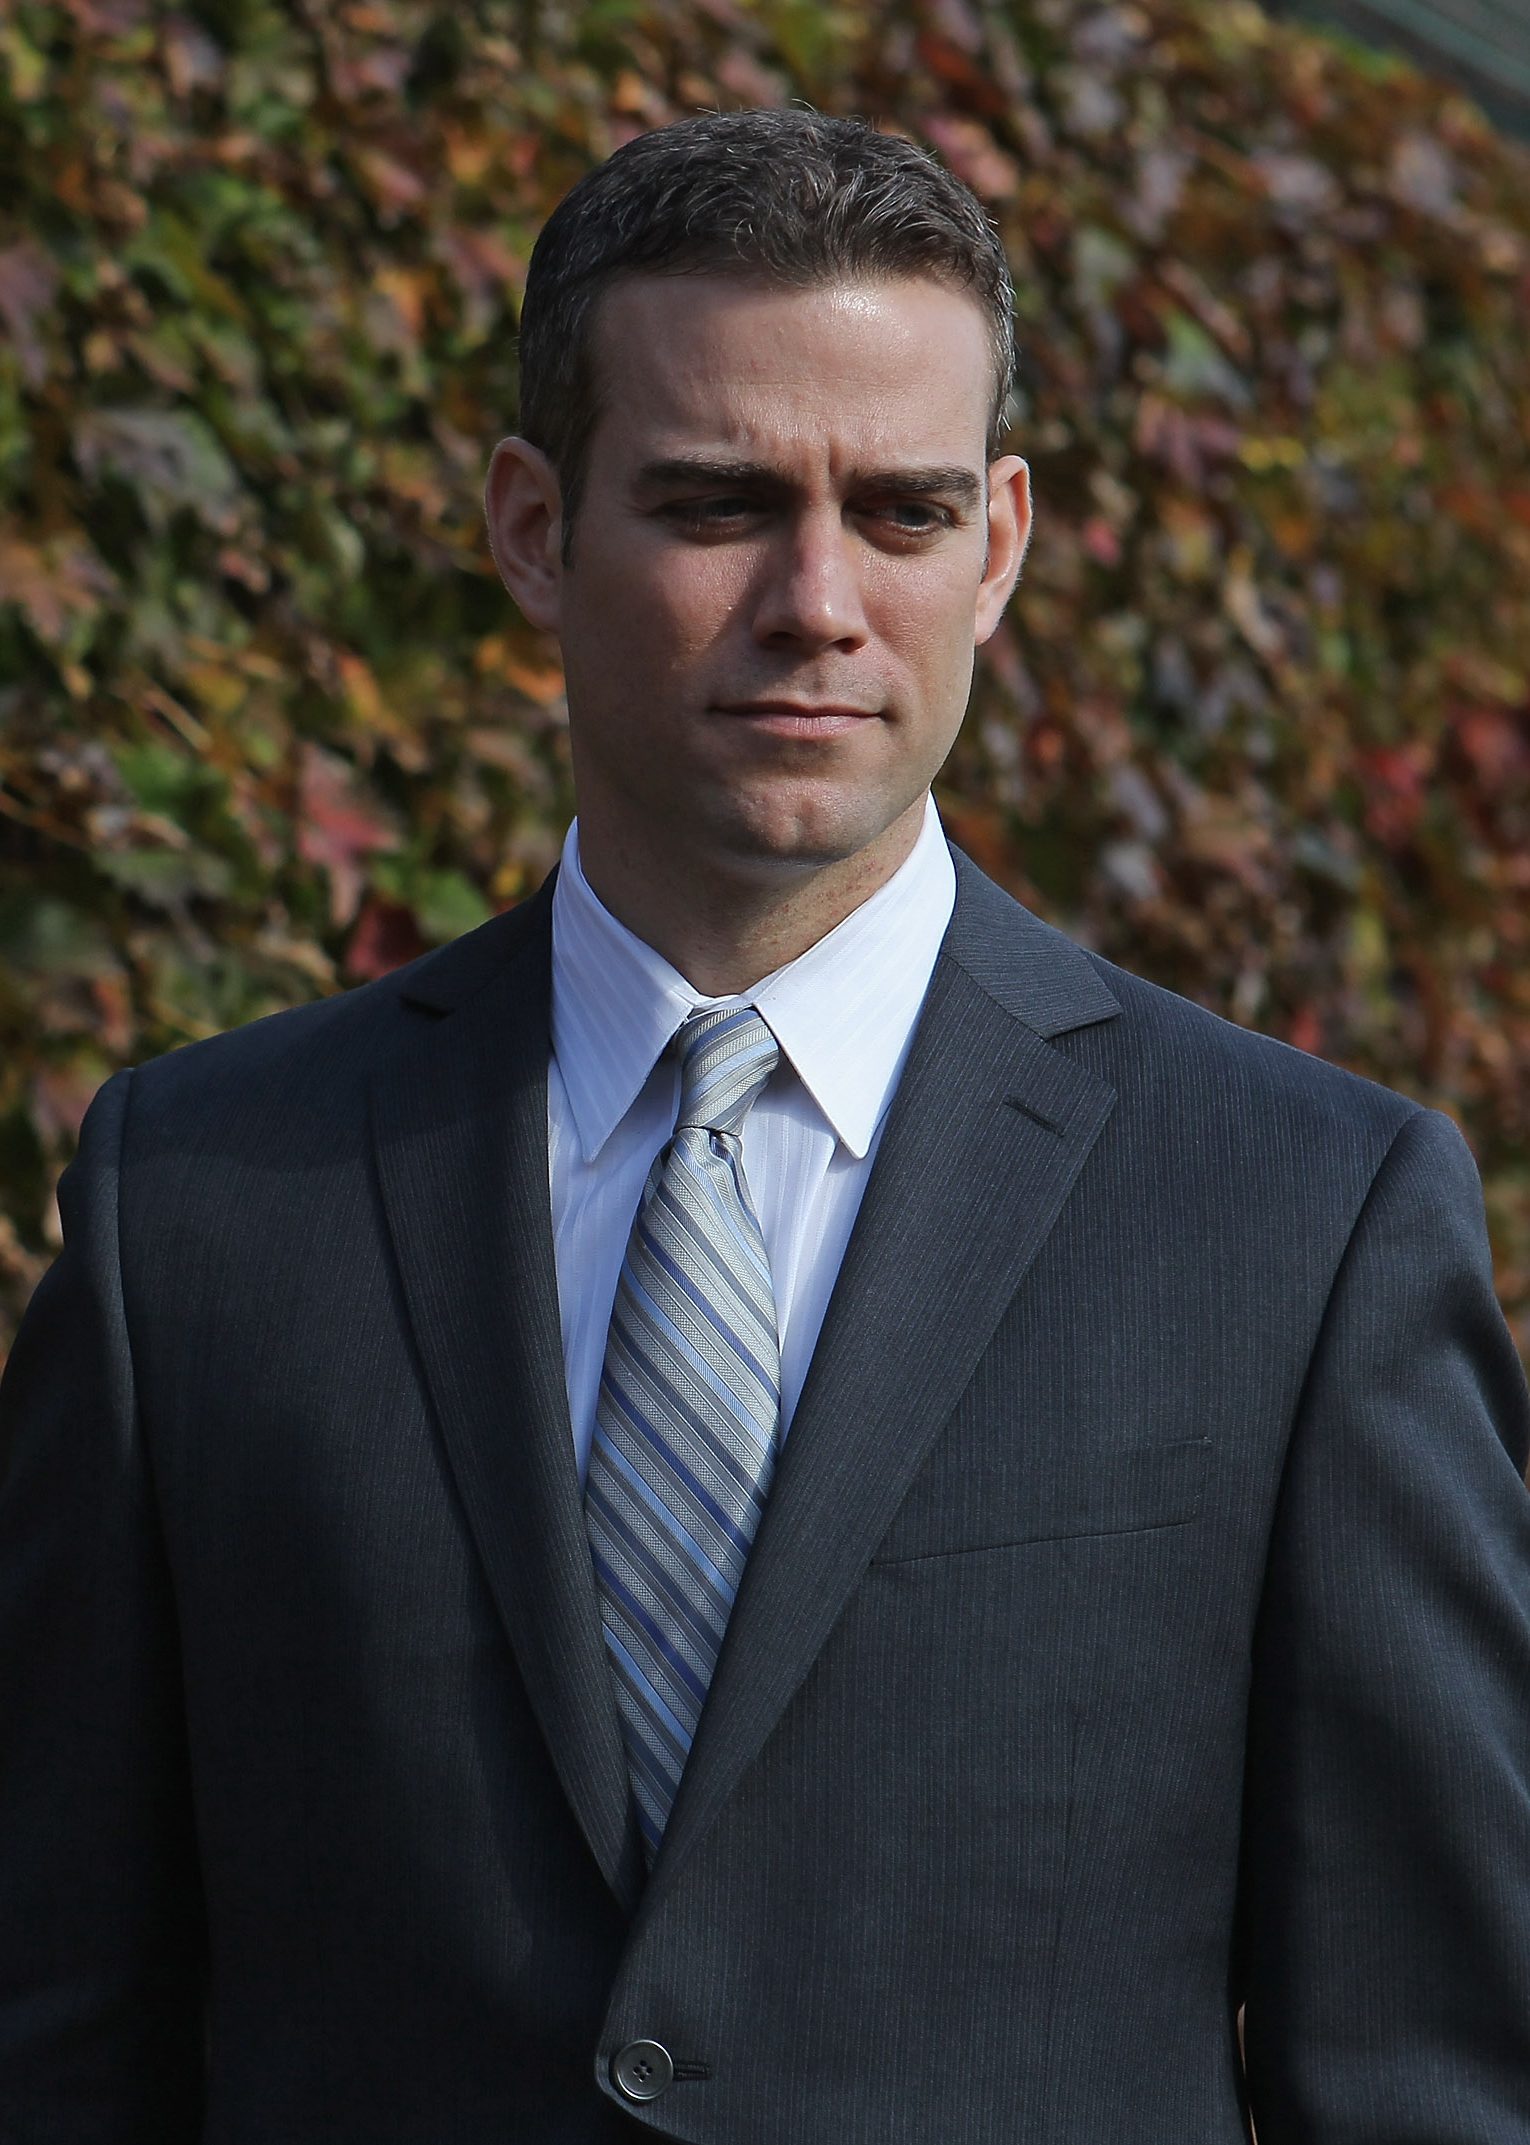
(800, 833)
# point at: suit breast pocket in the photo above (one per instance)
(958, 1504)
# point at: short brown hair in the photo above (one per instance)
(788, 195)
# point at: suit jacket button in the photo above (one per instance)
(642, 2070)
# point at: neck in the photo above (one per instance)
(724, 929)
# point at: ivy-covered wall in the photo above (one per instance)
(1258, 726)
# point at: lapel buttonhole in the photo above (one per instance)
(1026, 1109)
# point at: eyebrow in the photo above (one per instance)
(951, 481)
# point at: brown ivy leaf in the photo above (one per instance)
(28, 285)
(54, 583)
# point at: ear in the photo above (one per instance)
(523, 502)
(1009, 532)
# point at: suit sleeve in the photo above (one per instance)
(102, 1964)
(1385, 1900)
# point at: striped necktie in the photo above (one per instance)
(687, 1413)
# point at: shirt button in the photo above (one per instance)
(642, 2070)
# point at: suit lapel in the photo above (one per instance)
(460, 1129)
(988, 1132)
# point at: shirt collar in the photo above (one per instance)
(843, 1012)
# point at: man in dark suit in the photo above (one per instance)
(764, 1502)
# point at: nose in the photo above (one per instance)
(809, 592)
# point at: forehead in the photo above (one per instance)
(889, 369)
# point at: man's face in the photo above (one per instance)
(780, 567)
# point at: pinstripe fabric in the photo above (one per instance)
(687, 1416)
(1039, 1741)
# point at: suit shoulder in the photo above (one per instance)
(324, 1051)
(1171, 1056)
(1176, 1039)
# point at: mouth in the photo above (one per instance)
(797, 718)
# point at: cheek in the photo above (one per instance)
(703, 597)
(928, 627)
(666, 614)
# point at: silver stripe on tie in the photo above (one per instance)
(687, 1416)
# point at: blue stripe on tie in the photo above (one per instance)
(702, 1566)
(637, 1373)
(750, 1362)
(732, 1481)
(649, 1826)
(666, 1518)
(704, 1633)
(649, 1771)
(657, 1400)
(655, 1753)
(683, 1227)
(706, 1181)
(685, 1420)
(699, 1200)
(731, 1400)
(653, 1777)
(713, 1185)
(661, 1711)
(728, 1527)
(661, 1296)
(663, 1645)
(697, 1619)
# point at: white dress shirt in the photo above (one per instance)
(843, 1014)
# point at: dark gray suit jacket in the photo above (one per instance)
(1139, 1627)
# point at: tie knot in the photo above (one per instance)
(726, 1057)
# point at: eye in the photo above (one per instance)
(713, 513)
(912, 517)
